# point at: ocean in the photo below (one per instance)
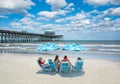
(99, 49)
(112, 47)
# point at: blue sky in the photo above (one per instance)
(75, 19)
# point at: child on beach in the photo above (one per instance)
(41, 61)
(42, 64)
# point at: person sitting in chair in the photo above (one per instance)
(57, 62)
(79, 58)
(41, 61)
(42, 64)
(66, 59)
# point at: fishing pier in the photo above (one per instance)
(8, 36)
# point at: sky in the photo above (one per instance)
(75, 19)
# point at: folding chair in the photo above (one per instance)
(65, 67)
(45, 67)
(52, 65)
(78, 65)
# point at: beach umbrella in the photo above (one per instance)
(48, 47)
(73, 47)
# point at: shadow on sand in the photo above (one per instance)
(67, 75)
(45, 72)
(73, 74)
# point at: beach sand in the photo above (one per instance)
(23, 69)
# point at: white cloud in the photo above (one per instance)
(93, 21)
(116, 11)
(48, 14)
(3, 16)
(103, 2)
(106, 19)
(25, 23)
(111, 25)
(112, 11)
(53, 14)
(97, 2)
(70, 5)
(106, 15)
(59, 20)
(30, 15)
(59, 12)
(75, 23)
(116, 2)
(78, 16)
(16, 25)
(62, 12)
(42, 19)
(55, 27)
(67, 8)
(93, 12)
(15, 6)
(48, 26)
(56, 4)
(83, 24)
(86, 22)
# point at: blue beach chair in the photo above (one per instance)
(65, 67)
(78, 65)
(52, 65)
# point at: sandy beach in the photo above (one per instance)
(23, 69)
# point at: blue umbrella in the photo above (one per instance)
(48, 47)
(73, 47)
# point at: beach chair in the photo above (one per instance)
(52, 65)
(45, 67)
(65, 67)
(78, 65)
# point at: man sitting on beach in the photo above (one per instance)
(66, 59)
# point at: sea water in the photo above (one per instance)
(92, 48)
